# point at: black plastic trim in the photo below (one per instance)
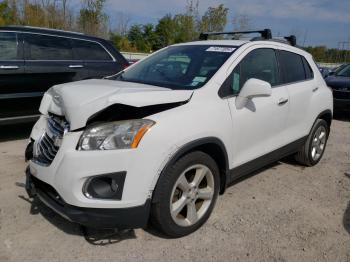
(265, 160)
(100, 218)
(195, 144)
(117, 177)
(341, 103)
(265, 33)
(319, 116)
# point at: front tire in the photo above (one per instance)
(185, 195)
(313, 149)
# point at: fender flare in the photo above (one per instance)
(191, 146)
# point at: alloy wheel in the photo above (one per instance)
(318, 143)
(192, 195)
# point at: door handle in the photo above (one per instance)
(315, 89)
(9, 67)
(76, 66)
(282, 101)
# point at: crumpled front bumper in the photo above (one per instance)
(132, 217)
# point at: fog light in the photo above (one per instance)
(107, 186)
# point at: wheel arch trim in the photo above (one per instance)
(329, 117)
(192, 146)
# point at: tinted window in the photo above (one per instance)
(86, 50)
(308, 71)
(260, 64)
(8, 46)
(292, 67)
(41, 47)
(345, 71)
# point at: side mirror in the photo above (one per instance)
(252, 88)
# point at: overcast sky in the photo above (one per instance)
(316, 22)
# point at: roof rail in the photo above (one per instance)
(291, 39)
(46, 28)
(265, 34)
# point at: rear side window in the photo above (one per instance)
(309, 74)
(87, 50)
(292, 67)
(42, 47)
(8, 46)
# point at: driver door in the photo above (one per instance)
(259, 127)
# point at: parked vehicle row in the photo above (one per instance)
(34, 59)
(165, 136)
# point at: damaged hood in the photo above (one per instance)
(77, 101)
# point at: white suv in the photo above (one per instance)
(162, 139)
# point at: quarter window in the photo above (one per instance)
(87, 50)
(292, 67)
(309, 74)
(8, 46)
(41, 47)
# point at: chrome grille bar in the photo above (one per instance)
(48, 146)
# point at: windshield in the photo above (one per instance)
(344, 71)
(179, 67)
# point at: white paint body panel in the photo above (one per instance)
(246, 133)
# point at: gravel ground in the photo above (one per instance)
(282, 213)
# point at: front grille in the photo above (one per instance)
(46, 148)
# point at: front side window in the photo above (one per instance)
(179, 67)
(292, 67)
(8, 46)
(87, 50)
(260, 64)
(42, 47)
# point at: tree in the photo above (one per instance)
(92, 19)
(7, 13)
(187, 25)
(214, 19)
(122, 43)
(33, 14)
(165, 32)
(135, 36)
(150, 37)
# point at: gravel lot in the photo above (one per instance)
(282, 213)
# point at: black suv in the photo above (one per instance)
(34, 59)
(339, 81)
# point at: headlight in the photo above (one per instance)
(115, 135)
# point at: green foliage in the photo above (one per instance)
(332, 55)
(165, 32)
(214, 19)
(122, 43)
(7, 13)
(92, 19)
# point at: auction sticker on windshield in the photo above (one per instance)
(221, 49)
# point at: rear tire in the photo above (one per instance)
(185, 195)
(313, 149)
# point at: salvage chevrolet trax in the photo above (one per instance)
(161, 140)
